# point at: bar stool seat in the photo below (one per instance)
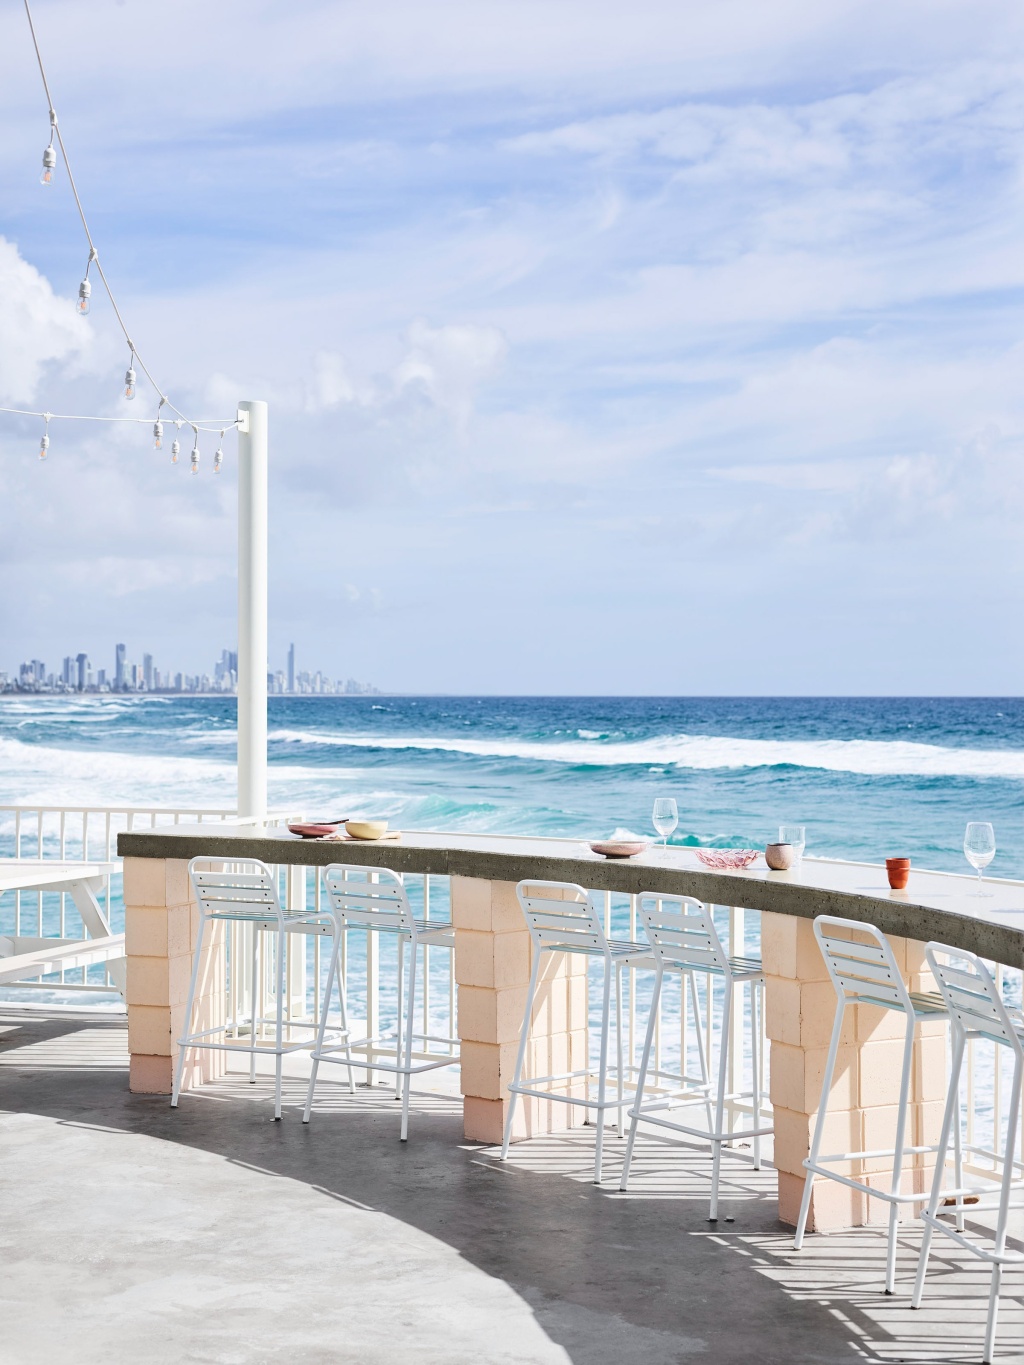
(684, 941)
(562, 918)
(866, 973)
(374, 900)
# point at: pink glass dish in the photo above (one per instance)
(727, 859)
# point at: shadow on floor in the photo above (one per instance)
(609, 1277)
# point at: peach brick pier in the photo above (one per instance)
(492, 967)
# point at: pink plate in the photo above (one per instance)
(726, 858)
(313, 831)
(621, 848)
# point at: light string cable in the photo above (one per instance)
(206, 424)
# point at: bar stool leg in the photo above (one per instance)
(718, 1136)
(398, 1024)
(602, 1075)
(819, 1124)
(1004, 1210)
(255, 1003)
(642, 1077)
(343, 1008)
(897, 1161)
(755, 1063)
(410, 1020)
(331, 970)
(620, 1128)
(521, 1054)
(279, 1031)
(952, 1110)
(179, 1070)
(698, 1028)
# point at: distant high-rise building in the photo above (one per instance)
(120, 654)
(291, 668)
(101, 678)
(147, 671)
(67, 675)
(82, 660)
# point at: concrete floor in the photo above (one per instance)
(131, 1233)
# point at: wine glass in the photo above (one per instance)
(665, 816)
(979, 849)
(796, 835)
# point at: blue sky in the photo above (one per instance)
(653, 348)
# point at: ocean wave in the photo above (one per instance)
(868, 757)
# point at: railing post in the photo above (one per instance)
(252, 610)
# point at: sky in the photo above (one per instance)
(665, 348)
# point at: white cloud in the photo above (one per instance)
(37, 328)
(450, 362)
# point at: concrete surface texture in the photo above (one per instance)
(132, 1232)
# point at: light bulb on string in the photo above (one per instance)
(44, 440)
(195, 451)
(129, 377)
(158, 434)
(218, 457)
(85, 288)
(49, 155)
(175, 450)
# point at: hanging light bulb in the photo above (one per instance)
(175, 450)
(49, 155)
(218, 456)
(129, 377)
(195, 451)
(44, 440)
(84, 292)
(158, 434)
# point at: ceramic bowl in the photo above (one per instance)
(620, 848)
(312, 831)
(726, 859)
(366, 829)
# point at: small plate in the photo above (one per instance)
(620, 848)
(312, 831)
(727, 859)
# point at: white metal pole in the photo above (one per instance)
(252, 610)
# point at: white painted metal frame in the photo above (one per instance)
(568, 922)
(244, 891)
(976, 1011)
(684, 940)
(375, 901)
(867, 973)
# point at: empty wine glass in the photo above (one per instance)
(665, 816)
(980, 849)
(795, 835)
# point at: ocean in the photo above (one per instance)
(868, 777)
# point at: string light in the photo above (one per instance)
(85, 288)
(44, 440)
(176, 445)
(218, 457)
(49, 155)
(129, 376)
(158, 434)
(195, 451)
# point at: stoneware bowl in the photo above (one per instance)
(312, 831)
(620, 848)
(366, 829)
(727, 859)
(779, 857)
(898, 872)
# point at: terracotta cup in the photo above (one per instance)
(779, 857)
(898, 872)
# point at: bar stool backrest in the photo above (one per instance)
(236, 888)
(865, 972)
(682, 932)
(562, 914)
(364, 903)
(971, 994)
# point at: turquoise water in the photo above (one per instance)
(869, 777)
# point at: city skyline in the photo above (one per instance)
(77, 675)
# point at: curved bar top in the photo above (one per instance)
(936, 905)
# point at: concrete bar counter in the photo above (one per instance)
(493, 964)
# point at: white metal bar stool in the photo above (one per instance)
(684, 939)
(244, 890)
(374, 899)
(867, 974)
(568, 922)
(976, 1010)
